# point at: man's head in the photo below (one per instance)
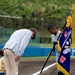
(34, 31)
(52, 29)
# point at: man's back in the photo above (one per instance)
(18, 40)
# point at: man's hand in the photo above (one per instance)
(55, 43)
(17, 58)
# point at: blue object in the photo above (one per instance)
(38, 51)
(2, 73)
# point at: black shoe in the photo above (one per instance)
(60, 73)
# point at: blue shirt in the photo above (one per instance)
(18, 41)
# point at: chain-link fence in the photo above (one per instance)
(5, 33)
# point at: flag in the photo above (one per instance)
(64, 43)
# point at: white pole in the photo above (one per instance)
(10, 17)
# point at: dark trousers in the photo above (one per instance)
(60, 73)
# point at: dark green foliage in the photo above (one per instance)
(32, 12)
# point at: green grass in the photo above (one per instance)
(72, 56)
(41, 45)
(36, 58)
(46, 45)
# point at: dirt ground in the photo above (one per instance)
(29, 67)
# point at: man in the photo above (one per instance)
(54, 38)
(15, 47)
(2, 63)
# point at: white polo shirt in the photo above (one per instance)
(55, 37)
(18, 41)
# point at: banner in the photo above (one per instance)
(64, 43)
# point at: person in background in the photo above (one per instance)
(54, 36)
(2, 66)
(14, 48)
(2, 63)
